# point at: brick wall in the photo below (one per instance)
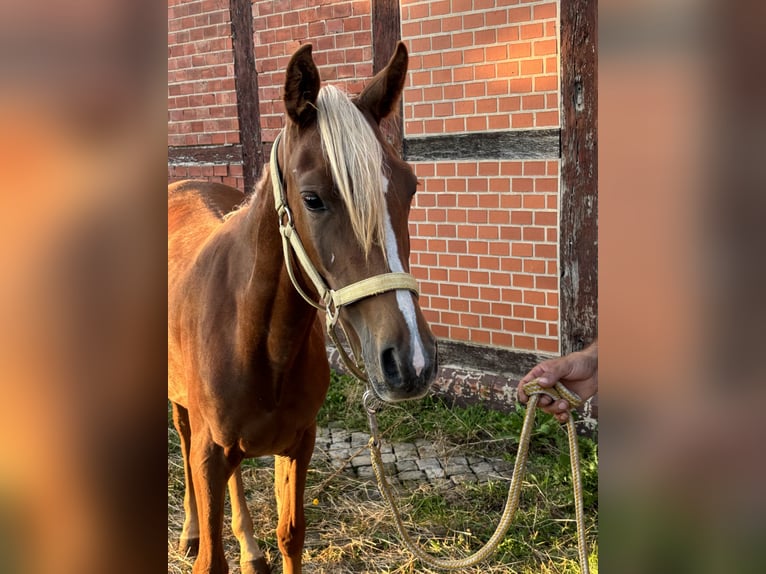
(340, 32)
(202, 101)
(484, 231)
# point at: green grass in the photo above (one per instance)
(350, 530)
(546, 510)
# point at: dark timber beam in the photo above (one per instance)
(386, 32)
(204, 154)
(513, 145)
(578, 242)
(246, 79)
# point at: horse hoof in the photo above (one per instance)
(259, 566)
(188, 546)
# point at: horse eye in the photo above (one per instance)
(313, 202)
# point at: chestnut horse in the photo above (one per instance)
(247, 365)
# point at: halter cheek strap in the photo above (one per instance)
(330, 300)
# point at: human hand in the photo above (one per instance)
(577, 371)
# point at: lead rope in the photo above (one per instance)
(533, 389)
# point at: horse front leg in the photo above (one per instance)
(211, 470)
(188, 544)
(289, 485)
(251, 558)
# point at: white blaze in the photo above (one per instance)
(403, 297)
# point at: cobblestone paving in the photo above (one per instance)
(404, 462)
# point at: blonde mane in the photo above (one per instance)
(355, 157)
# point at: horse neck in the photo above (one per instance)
(270, 309)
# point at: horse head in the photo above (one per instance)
(349, 195)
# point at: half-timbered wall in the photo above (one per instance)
(481, 124)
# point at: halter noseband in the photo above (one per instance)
(330, 300)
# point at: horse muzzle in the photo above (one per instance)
(403, 371)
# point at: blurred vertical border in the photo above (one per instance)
(82, 286)
(682, 144)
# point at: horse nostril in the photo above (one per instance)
(389, 364)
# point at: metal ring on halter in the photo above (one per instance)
(332, 310)
(281, 212)
(370, 402)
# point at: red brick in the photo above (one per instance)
(545, 47)
(499, 217)
(476, 124)
(488, 232)
(508, 34)
(513, 325)
(413, 128)
(465, 107)
(551, 65)
(523, 14)
(546, 218)
(479, 307)
(520, 50)
(522, 120)
(458, 275)
(523, 185)
(443, 109)
(488, 36)
(546, 314)
(533, 102)
(531, 67)
(440, 7)
(410, 29)
(502, 339)
(463, 74)
(522, 249)
(442, 76)
(524, 342)
(530, 31)
(445, 169)
(457, 333)
(551, 202)
(480, 337)
(475, 89)
(545, 11)
(535, 328)
(451, 23)
(544, 119)
(457, 185)
(524, 311)
(521, 85)
(535, 267)
(469, 291)
(415, 11)
(500, 279)
(509, 104)
(542, 282)
(454, 125)
(448, 260)
(530, 233)
(458, 305)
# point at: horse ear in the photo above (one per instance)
(301, 87)
(382, 93)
